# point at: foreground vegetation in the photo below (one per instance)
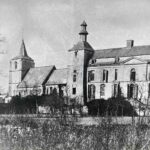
(25, 133)
(28, 134)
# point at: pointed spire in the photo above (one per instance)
(83, 33)
(83, 23)
(23, 51)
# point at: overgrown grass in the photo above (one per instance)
(29, 134)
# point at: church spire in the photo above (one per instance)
(23, 51)
(83, 33)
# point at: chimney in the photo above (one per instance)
(130, 43)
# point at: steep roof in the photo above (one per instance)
(59, 76)
(82, 45)
(22, 52)
(122, 52)
(36, 76)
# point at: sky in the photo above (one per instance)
(50, 27)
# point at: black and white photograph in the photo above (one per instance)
(74, 75)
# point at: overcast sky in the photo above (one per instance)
(51, 27)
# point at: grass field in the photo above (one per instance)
(27, 134)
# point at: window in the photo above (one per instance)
(102, 90)
(76, 52)
(74, 78)
(105, 75)
(149, 77)
(47, 91)
(132, 91)
(91, 91)
(73, 91)
(91, 75)
(132, 75)
(149, 90)
(116, 74)
(51, 90)
(15, 65)
(116, 90)
(74, 75)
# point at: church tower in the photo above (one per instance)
(19, 66)
(77, 79)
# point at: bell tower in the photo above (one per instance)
(77, 79)
(19, 66)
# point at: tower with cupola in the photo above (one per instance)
(19, 66)
(77, 79)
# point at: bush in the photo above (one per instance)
(23, 105)
(118, 106)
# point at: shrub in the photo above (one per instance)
(118, 106)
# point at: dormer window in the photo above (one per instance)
(93, 61)
(16, 65)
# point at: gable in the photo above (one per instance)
(134, 61)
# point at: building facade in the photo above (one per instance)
(93, 74)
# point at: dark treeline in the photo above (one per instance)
(29, 104)
(115, 106)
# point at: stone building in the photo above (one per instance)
(93, 74)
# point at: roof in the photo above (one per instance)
(59, 76)
(122, 52)
(83, 23)
(82, 45)
(36, 76)
(23, 52)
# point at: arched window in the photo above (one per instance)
(132, 91)
(102, 90)
(91, 75)
(16, 65)
(132, 75)
(116, 90)
(91, 91)
(105, 75)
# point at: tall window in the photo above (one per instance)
(132, 91)
(91, 75)
(74, 75)
(74, 78)
(105, 75)
(116, 90)
(116, 74)
(102, 90)
(16, 65)
(149, 76)
(91, 91)
(132, 75)
(149, 90)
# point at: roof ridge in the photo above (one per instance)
(44, 66)
(121, 47)
(61, 68)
